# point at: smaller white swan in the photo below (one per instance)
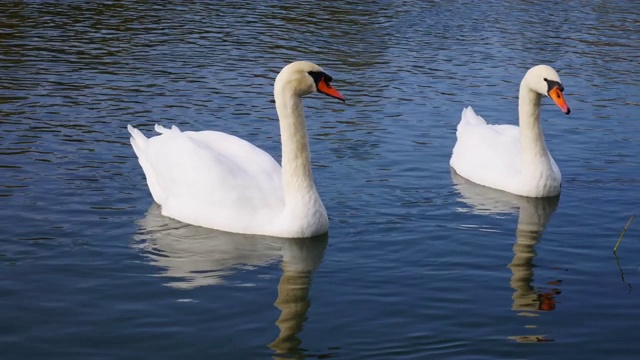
(220, 181)
(507, 157)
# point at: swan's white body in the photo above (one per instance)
(220, 181)
(507, 157)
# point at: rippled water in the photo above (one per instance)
(418, 263)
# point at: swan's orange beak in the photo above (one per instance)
(326, 88)
(556, 95)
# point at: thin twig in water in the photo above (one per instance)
(622, 273)
(615, 248)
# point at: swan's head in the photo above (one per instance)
(303, 78)
(545, 80)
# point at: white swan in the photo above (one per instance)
(507, 157)
(219, 181)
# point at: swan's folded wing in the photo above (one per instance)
(255, 162)
(487, 154)
(211, 177)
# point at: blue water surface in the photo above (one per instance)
(418, 263)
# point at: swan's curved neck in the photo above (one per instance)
(296, 161)
(534, 149)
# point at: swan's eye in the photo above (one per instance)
(552, 84)
(318, 75)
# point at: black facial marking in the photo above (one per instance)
(318, 75)
(551, 84)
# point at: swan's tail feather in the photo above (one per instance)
(469, 117)
(139, 143)
(138, 140)
(163, 130)
(159, 128)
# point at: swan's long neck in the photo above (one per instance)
(534, 150)
(296, 161)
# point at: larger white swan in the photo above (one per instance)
(507, 157)
(220, 181)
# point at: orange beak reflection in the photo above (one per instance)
(326, 88)
(556, 95)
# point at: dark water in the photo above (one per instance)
(418, 264)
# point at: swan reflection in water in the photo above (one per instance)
(194, 256)
(533, 215)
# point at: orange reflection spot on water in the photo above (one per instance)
(530, 338)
